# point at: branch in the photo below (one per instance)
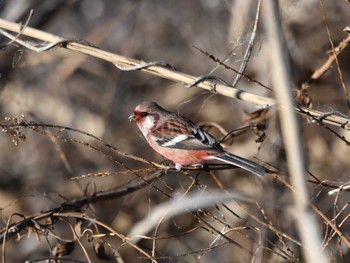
(79, 203)
(125, 63)
(281, 77)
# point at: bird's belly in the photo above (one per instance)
(184, 157)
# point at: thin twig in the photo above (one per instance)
(319, 72)
(78, 203)
(335, 57)
(249, 49)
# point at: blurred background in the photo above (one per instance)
(65, 88)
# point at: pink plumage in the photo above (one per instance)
(182, 141)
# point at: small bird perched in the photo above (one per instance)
(182, 141)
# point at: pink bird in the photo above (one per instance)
(182, 141)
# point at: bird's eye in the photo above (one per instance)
(144, 114)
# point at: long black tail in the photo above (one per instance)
(242, 163)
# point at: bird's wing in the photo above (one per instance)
(180, 133)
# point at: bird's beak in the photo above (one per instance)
(133, 118)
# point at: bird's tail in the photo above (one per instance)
(242, 163)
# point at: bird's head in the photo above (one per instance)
(146, 115)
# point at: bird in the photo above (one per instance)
(182, 141)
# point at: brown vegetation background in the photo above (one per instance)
(69, 89)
